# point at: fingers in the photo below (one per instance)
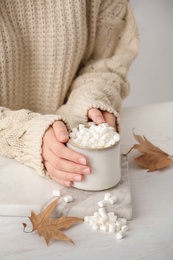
(66, 177)
(96, 116)
(60, 150)
(63, 181)
(62, 177)
(65, 165)
(109, 118)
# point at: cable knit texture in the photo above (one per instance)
(58, 59)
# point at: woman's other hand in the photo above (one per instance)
(98, 117)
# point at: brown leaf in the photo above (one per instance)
(152, 158)
(52, 233)
(50, 228)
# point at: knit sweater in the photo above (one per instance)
(58, 59)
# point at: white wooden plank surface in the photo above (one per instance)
(150, 234)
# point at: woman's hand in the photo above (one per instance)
(63, 164)
(98, 117)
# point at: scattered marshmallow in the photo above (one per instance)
(111, 214)
(124, 228)
(56, 193)
(95, 226)
(120, 234)
(122, 220)
(112, 200)
(68, 198)
(118, 225)
(108, 200)
(96, 214)
(113, 219)
(102, 212)
(93, 221)
(103, 220)
(87, 219)
(112, 227)
(104, 227)
(107, 221)
(107, 196)
(94, 136)
(102, 203)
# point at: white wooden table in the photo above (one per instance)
(150, 234)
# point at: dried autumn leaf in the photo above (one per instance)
(50, 228)
(152, 158)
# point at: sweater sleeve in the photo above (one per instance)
(21, 134)
(102, 79)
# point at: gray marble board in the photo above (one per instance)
(23, 190)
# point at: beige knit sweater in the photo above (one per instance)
(58, 59)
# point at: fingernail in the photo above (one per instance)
(86, 170)
(77, 178)
(99, 120)
(68, 183)
(63, 136)
(82, 161)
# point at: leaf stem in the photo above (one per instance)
(27, 231)
(24, 226)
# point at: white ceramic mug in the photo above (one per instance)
(105, 165)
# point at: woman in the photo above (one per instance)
(61, 63)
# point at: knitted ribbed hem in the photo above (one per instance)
(81, 112)
(32, 153)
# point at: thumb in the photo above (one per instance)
(96, 116)
(60, 131)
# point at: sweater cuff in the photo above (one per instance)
(79, 112)
(83, 115)
(31, 154)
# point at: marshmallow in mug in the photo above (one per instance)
(94, 136)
